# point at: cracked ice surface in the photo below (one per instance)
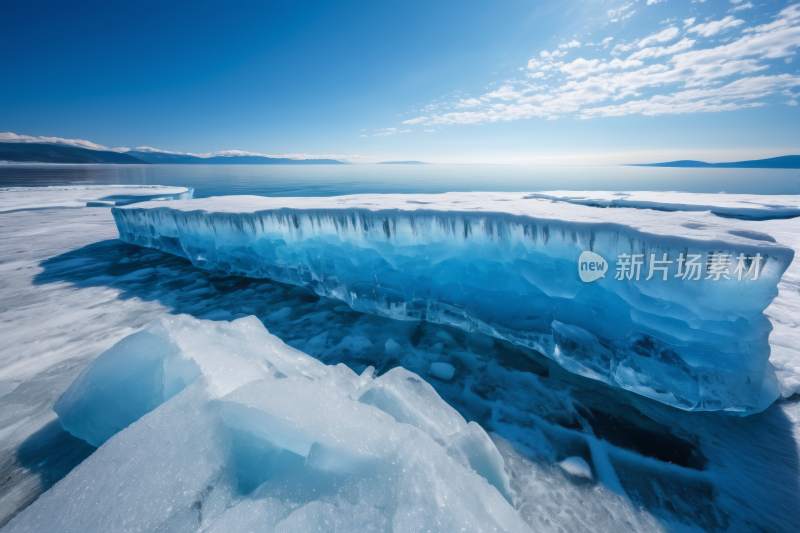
(506, 265)
(70, 290)
(74, 196)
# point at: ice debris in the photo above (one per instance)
(507, 265)
(443, 371)
(220, 426)
(577, 466)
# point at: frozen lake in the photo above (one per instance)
(335, 180)
(579, 454)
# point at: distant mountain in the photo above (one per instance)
(54, 153)
(787, 161)
(403, 163)
(177, 159)
(157, 157)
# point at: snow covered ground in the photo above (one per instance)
(579, 455)
(746, 206)
(67, 196)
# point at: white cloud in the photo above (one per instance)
(658, 51)
(624, 17)
(786, 18)
(151, 150)
(607, 41)
(9, 137)
(354, 158)
(620, 48)
(688, 80)
(615, 12)
(667, 34)
(554, 54)
(469, 102)
(792, 102)
(742, 7)
(231, 153)
(736, 95)
(571, 44)
(506, 92)
(429, 131)
(651, 2)
(712, 28)
(363, 135)
(688, 22)
(415, 120)
(735, 1)
(534, 63)
(582, 67)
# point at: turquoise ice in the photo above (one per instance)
(507, 265)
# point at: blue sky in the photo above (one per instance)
(475, 82)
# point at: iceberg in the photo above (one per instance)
(673, 310)
(220, 426)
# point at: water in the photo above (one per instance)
(334, 180)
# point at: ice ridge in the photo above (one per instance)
(742, 206)
(673, 308)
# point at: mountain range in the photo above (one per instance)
(55, 153)
(787, 161)
(180, 159)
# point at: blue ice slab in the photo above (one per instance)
(508, 265)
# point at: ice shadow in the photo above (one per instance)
(691, 467)
(52, 453)
(47, 455)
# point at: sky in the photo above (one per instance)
(566, 82)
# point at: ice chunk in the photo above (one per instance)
(577, 466)
(508, 265)
(473, 448)
(278, 431)
(169, 471)
(298, 446)
(281, 314)
(125, 386)
(411, 400)
(392, 348)
(443, 371)
(143, 370)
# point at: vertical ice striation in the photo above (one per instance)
(693, 335)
